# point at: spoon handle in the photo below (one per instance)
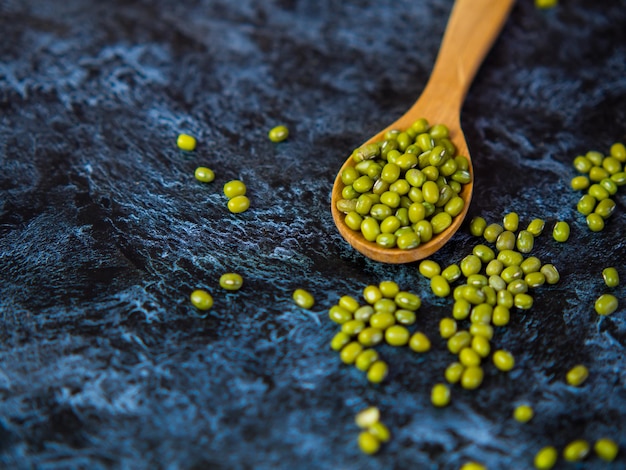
(472, 28)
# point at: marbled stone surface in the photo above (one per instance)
(104, 232)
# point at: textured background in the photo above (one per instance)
(104, 232)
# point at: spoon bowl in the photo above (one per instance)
(472, 28)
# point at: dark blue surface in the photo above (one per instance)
(104, 232)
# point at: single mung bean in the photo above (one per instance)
(461, 309)
(234, 188)
(186, 142)
(477, 226)
(595, 222)
(440, 395)
(586, 204)
(238, 204)
(452, 272)
(472, 294)
(201, 299)
(597, 174)
(364, 313)
(472, 377)
(492, 231)
(368, 443)
(582, 164)
(477, 280)
(510, 258)
(365, 359)
(454, 206)
(424, 230)
(408, 241)
(525, 241)
(405, 317)
(350, 351)
(618, 151)
(578, 183)
(481, 345)
(352, 219)
(551, 273)
(346, 205)
(523, 413)
(619, 178)
(397, 335)
(517, 286)
(536, 226)
(380, 431)
(505, 241)
(598, 192)
(382, 320)
(612, 165)
(419, 342)
(481, 313)
(303, 298)
(389, 289)
(546, 458)
(532, 264)
(491, 295)
(447, 327)
(504, 297)
(339, 315)
(511, 273)
(522, 301)
(440, 222)
(204, 174)
(339, 341)
(535, 279)
(458, 341)
(367, 417)
(605, 208)
(494, 267)
(439, 286)
(576, 450)
(610, 276)
(497, 283)
(453, 372)
(429, 268)
(595, 157)
(468, 357)
(471, 264)
(377, 372)
(385, 305)
(501, 315)
(408, 300)
(278, 133)
(231, 281)
(609, 185)
(606, 449)
(511, 221)
(577, 375)
(349, 303)
(372, 294)
(606, 304)
(485, 331)
(349, 175)
(483, 252)
(381, 211)
(503, 360)
(561, 231)
(353, 327)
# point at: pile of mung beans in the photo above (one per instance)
(404, 190)
(601, 176)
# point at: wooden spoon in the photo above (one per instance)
(472, 28)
